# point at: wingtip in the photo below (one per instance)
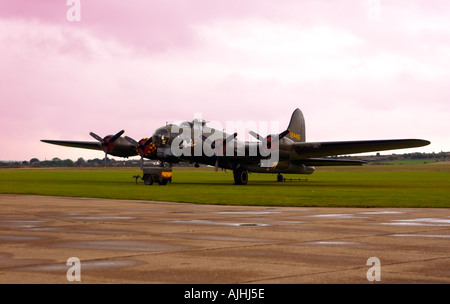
(423, 142)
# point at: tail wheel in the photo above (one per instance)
(240, 176)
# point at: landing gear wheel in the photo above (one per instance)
(240, 176)
(163, 182)
(280, 177)
(148, 180)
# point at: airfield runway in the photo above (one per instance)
(122, 241)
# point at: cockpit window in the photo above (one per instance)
(161, 137)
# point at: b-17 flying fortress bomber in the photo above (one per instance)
(195, 142)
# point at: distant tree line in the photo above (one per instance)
(97, 162)
(379, 159)
(417, 155)
(80, 162)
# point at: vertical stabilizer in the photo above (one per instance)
(297, 127)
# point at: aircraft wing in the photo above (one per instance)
(328, 162)
(122, 148)
(320, 149)
(94, 145)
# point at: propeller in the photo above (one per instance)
(268, 140)
(142, 147)
(217, 144)
(107, 142)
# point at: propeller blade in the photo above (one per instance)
(216, 168)
(226, 140)
(283, 134)
(208, 141)
(141, 148)
(256, 135)
(131, 141)
(231, 137)
(149, 141)
(144, 148)
(224, 143)
(268, 140)
(107, 145)
(96, 137)
(115, 137)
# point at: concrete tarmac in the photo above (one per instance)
(123, 241)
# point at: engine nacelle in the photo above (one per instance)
(284, 167)
(121, 148)
(301, 169)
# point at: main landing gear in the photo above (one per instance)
(240, 176)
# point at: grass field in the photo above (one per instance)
(424, 185)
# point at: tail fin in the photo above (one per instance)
(297, 127)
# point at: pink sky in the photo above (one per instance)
(362, 69)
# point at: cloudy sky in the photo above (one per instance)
(361, 69)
